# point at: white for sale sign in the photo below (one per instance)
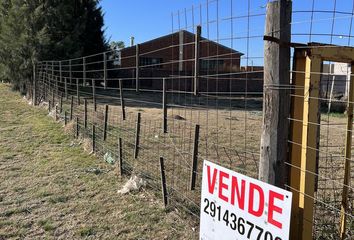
(234, 206)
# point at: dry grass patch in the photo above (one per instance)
(69, 128)
(47, 190)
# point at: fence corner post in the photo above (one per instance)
(274, 140)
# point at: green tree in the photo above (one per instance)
(115, 45)
(36, 30)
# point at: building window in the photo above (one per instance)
(151, 62)
(211, 64)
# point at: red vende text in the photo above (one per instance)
(233, 190)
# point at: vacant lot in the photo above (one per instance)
(51, 189)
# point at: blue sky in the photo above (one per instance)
(143, 19)
(148, 19)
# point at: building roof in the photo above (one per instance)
(192, 35)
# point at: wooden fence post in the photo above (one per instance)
(303, 142)
(348, 158)
(49, 106)
(164, 105)
(196, 59)
(274, 140)
(120, 158)
(137, 135)
(137, 63)
(163, 182)
(105, 123)
(194, 158)
(121, 98)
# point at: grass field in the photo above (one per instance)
(69, 201)
(51, 189)
(230, 134)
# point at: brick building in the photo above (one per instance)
(172, 56)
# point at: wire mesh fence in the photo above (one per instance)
(197, 93)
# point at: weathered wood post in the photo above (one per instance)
(196, 60)
(348, 158)
(276, 96)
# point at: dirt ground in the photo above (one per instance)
(51, 189)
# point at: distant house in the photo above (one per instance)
(335, 79)
(172, 56)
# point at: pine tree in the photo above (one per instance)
(36, 30)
